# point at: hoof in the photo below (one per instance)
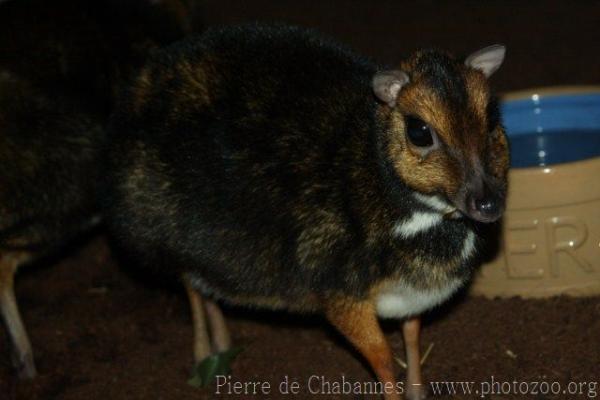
(416, 392)
(25, 367)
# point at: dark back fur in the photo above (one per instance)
(252, 159)
(49, 152)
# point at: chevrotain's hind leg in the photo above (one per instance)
(201, 341)
(411, 330)
(21, 353)
(218, 328)
(357, 321)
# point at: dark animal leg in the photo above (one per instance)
(411, 330)
(357, 321)
(21, 353)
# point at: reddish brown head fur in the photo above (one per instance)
(466, 160)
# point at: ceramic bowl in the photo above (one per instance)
(550, 234)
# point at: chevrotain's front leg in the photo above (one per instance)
(411, 330)
(357, 321)
(21, 353)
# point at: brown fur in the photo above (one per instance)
(357, 321)
(463, 132)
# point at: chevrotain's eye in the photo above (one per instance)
(418, 132)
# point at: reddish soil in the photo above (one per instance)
(100, 334)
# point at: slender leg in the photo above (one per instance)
(21, 353)
(357, 321)
(201, 341)
(411, 330)
(218, 327)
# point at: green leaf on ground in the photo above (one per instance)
(206, 370)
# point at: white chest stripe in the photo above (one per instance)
(418, 222)
(435, 202)
(468, 245)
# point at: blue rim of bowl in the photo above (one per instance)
(533, 116)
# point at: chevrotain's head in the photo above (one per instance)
(445, 138)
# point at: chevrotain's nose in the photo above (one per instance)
(485, 208)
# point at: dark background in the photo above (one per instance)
(549, 42)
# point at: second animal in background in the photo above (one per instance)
(61, 63)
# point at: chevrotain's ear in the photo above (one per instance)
(387, 84)
(487, 60)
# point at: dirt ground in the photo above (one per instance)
(98, 333)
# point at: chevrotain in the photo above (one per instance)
(271, 167)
